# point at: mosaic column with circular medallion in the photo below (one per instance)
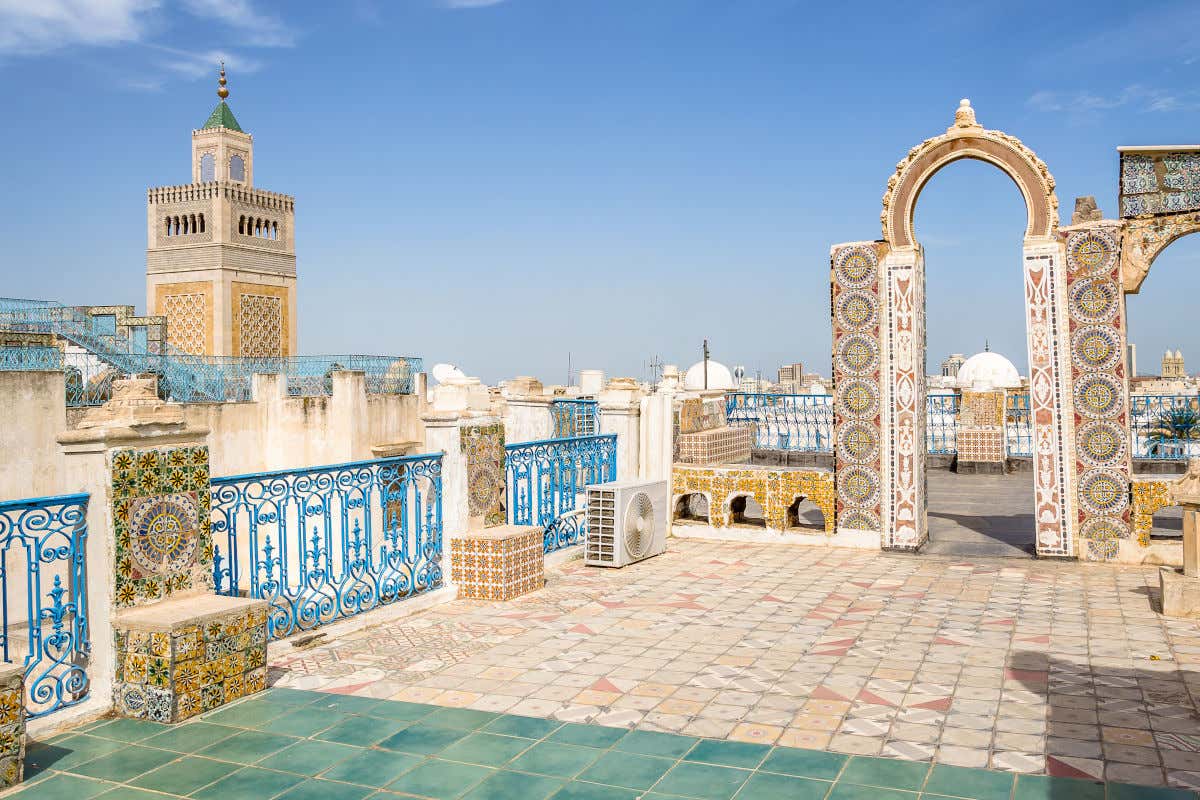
(1101, 452)
(858, 449)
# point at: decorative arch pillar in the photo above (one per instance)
(879, 349)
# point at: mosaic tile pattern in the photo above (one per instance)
(12, 725)
(1101, 450)
(979, 432)
(161, 518)
(499, 564)
(294, 744)
(1158, 183)
(773, 488)
(1149, 496)
(170, 673)
(980, 444)
(261, 326)
(697, 414)
(1045, 289)
(1036, 667)
(484, 448)
(186, 319)
(856, 379)
(716, 446)
(904, 318)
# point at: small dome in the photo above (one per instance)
(719, 377)
(988, 370)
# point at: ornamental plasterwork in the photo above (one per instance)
(965, 127)
(1145, 238)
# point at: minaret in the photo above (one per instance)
(220, 254)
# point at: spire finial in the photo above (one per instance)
(964, 115)
(987, 346)
(222, 92)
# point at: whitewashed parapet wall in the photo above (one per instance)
(270, 432)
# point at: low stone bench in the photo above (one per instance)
(12, 724)
(189, 654)
(498, 563)
(775, 488)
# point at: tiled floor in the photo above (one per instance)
(1028, 666)
(296, 745)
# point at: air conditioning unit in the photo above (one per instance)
(626, 522)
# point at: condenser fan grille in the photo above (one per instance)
(639, 525)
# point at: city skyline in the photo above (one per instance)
(472, 165)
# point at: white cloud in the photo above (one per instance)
(254, 27)
(199, 63)
(31, 27)
(1134, 97)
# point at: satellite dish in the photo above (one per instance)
(444, 372)
(739, 372)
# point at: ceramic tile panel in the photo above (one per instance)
(716, 446)
(500, 564)
(170, 673)
(12, 725)
(773, 488)
(1101, 457)
(161, 518)
(857, 365)
(980, 444)
(1148, 496)
(486, 479)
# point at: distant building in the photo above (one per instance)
(952, 364)
(1172, 365)
(791, 375)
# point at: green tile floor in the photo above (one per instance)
(295, 745)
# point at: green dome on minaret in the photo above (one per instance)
(222, 115)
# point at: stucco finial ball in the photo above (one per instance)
(964, 116)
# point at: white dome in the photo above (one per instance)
(719, 377)
(988, 370)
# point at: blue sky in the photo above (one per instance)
(499, 184)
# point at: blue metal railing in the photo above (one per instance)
(1165, 426)
(575, 417)
(44, 610)
(183, 377)
(1018, 425)
(545, 478)
(941, 423)
(804, 422)
(784, 421)
(325, 543)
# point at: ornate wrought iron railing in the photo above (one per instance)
(44, 610)
(183, 377)
(941, 423)
(1165, 426)
(1018, 425)
(575, 417)
(784, 421)
(324, 543)
(545, 479)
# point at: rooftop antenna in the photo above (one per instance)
(568, 368)
(706, 364)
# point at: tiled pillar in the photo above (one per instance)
(979, 436)
(96, 455)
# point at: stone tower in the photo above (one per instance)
(1172, 365)
(221, 254)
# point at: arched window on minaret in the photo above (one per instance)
(208, 168)
(168, 226)
(202, 223)
(275, 231)
(237, 169)
(177, 226)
